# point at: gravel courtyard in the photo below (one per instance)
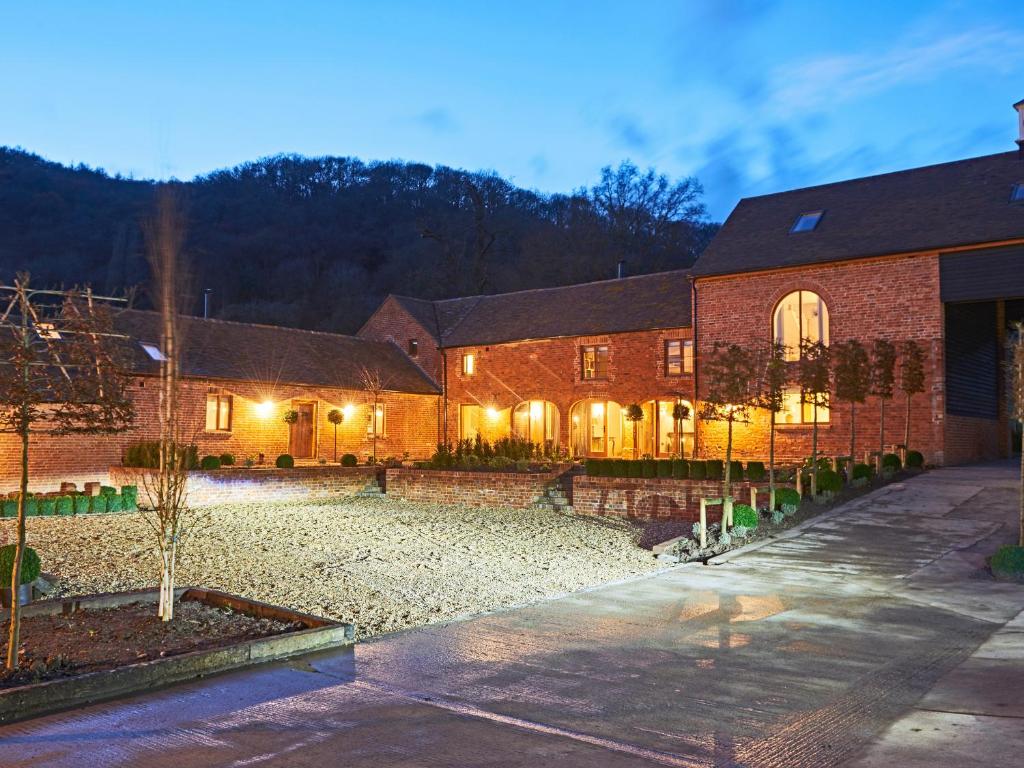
(384, 565)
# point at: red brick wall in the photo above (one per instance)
(970, 439)
(411, 426)
(473, 489)
(225, 486)
(550, 369)
(895, 298)
(655, 497)
(392, 323)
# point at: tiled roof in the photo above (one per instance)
(939, 206)
(218, 349)
(637, 303)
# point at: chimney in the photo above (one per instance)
(1019, 106)
(621, 271)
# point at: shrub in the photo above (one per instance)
(698, 470)
(285, 461)
(30, 565)
(522, 465)
(724, 539)
(915, 459)
(715, 469)
(108, 490)
(98, 503)
(349, 460)
(146, 454)
(502, 463)
(664, 469)
(129, 498)
(680, 469)
(65, 505)
(593, 468)
(789, 509)
(649, 467)
(787, 496)
(210, 462)
(10, 508)
(31, 506)
(829, 481)
(744, 515)
(891, 462)
(115, 504)
(735, 471)
(227, 459)
(636, 468)
(756, 471)
(1007, 561)
(83, 504)
(777, 516)
(740, 531)
(48, 506)
(862, 472)
(619, 468)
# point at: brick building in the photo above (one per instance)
(239, 380)
(557, 365)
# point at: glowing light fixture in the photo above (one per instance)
(348, 410)
(264, 409)
(492, 413)
(536, 409)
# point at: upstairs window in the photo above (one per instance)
(153, 351)
(47, 332)
(806, 222)
(1017, 196)
(678, 357)
(797, 409)
(594, 362)
(218, 412)
(414, 348)
(468, 364)
(801, 316)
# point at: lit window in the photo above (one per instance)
(678, 357)
(806, 222)
(1017, 196)
(799, 410)
(536, 421)
(468, 364)
(47, 331)
(800, 317)
(375, 420)
(414, 348)
(153, 351)
(218, 413)
(594, 362)
(469, 422)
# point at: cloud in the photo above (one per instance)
(628, 132)
(439, 120)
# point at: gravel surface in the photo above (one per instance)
(382, 564)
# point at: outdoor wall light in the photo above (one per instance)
(264, 409)
(492, 413)
(348, 410)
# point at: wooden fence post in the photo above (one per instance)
(703, 523)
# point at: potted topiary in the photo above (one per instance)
(634, 415)
(335, 417)
(30, 567)
(290, 417)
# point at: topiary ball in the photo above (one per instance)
(227, 459)
(744, 515)
(1008, 562)
(862, 472)
(285, 461)
(210, 462)
(30, 565)
(787, 496)
(891, 462)
(915, 459)
(349, 460)
(829, 480)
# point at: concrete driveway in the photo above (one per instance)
(871, 637)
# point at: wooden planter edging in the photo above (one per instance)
(49, 696)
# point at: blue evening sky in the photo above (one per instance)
(751, 96)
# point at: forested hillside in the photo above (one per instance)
(318, 242)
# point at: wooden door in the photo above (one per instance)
(302, 432)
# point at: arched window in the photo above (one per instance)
(800, 316)
(536, 421)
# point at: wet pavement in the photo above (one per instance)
(872, 636)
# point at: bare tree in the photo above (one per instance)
(1015, 364)
(732, 391)
(374, 384)
(63, 369)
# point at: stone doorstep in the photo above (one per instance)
(50, 696)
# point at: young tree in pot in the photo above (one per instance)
(770, 397)
(63, 370)
(335, 417)
(680, 413)
(911, 379)
(851, 374)
(883, 381)
(731, 381)
(375, 384)
(815, 373)
(634, 415)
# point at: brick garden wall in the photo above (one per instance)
(473, 489)
(655, 497)
(970, 439)
(411, 426)
(895, 298)
(225, 486)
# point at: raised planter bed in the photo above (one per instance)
(518, 490)
(258, 633)
(239, 484)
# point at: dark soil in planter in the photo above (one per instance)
(55, 646)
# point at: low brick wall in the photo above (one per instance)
(473, 489)
(226, 486)
(656, 497)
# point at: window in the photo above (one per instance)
(47, 331)
(594, 362)
(1017, 196)
(678, 357)
(800, 316)
(468, 364)
(414, 348)
(376, 420)
(806, 222)
(153, 351)
(218, 412)
(536, 421)
(469, 422)
(795, 410)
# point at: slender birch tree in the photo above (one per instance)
(63, 370)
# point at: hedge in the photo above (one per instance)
(648, 467)
(735, 471)
(664, 468)
(680, 469)
(30, 565)
(756, 471)
(82, 504)
(698, 470)
(715, 469)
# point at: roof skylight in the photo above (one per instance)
(153, 351)
(806, 222)
(1017, 196)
